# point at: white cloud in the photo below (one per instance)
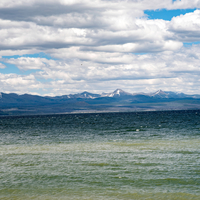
(186, 27)
(134, 73)
(19, 84)
(185, 4)
(91, 29)
(26, 63)
(95, 46)
(2, 66)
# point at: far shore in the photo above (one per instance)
(96, 112)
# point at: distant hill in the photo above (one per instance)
(116, 101)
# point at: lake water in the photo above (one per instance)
(144, 155)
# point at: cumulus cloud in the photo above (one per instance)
(18, 83)
(2, 66)
(166, 70)
(186, 27)
(86, 26)
(25, 63)
(94, 43)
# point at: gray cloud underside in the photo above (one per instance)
(27, 13)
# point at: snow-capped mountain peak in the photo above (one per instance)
(116, 93)
(160, 94)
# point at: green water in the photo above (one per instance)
(150, 155)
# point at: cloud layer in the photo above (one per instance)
(98, 46)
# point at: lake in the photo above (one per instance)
(138, 155)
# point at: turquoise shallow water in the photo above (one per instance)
(147, 155)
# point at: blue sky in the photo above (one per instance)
(63, 47)
(166, 14)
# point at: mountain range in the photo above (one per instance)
(117, 101)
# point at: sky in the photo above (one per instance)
(58, 47)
